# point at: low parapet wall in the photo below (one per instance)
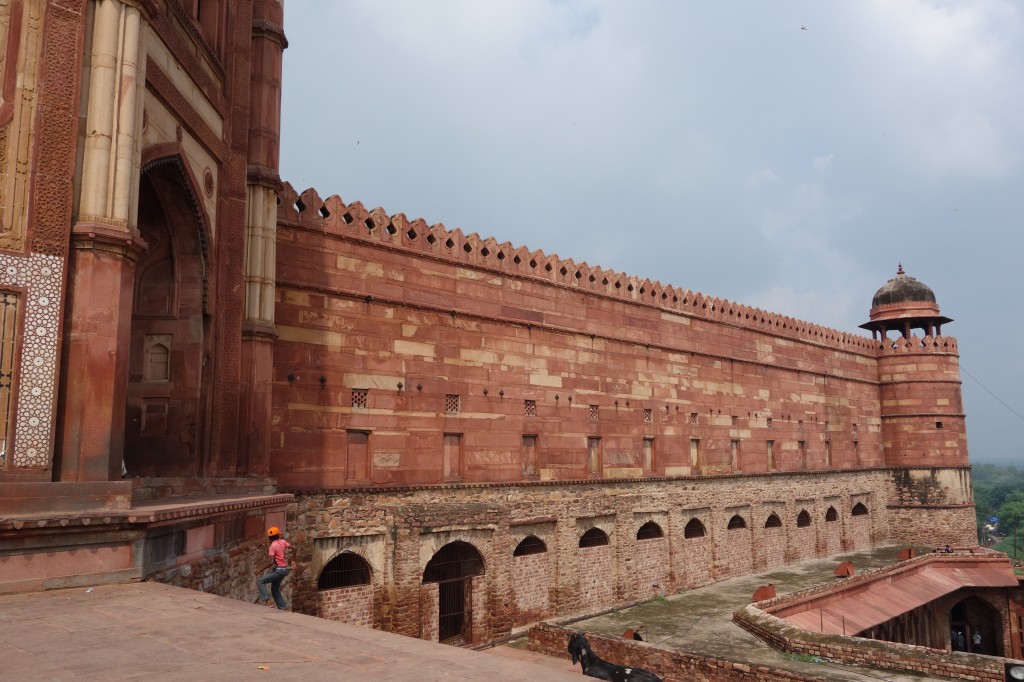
(759, 620)
(671, 666)
(868, 652)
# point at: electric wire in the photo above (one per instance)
(986, 389)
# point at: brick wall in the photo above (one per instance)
(671, 666)
(868, 652)
(648, 572)
(398, 530)
(596, 565)
(772, 548)
(352, 605)
(531, 582)
(759, 620)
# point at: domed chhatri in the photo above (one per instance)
(902, 304)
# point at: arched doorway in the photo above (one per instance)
(976, 626)
(452, 568)
(167, 364)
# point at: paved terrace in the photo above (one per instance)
(700, 621)
(150, 631)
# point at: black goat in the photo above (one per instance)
(593, 666)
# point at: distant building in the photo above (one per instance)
(458, 435)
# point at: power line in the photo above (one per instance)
(1000, 400)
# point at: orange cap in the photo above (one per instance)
(272, 531)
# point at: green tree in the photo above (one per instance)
(1011, 515)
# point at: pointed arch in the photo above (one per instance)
(694, 529)
(347, 569)
(649, 531)
(859, 509)
(531, 544)
(773, 521)
(595, 537)
(803, 519)
(737, 522)
(831, 514)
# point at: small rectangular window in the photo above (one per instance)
(452, 403)
(802, 447)
(452, 457)
(771, 455)
(592, 413)
(770, 422)
(648, 416)
(828, 453)
(529, 455)
(695, 454)
(594, 455)
(530, 408)
(693, 417)
(938, 425)
(734, 454)
(357, 458)
(734, 420)
(648, 455)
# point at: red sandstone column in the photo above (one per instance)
(262, 184)
(97, 329)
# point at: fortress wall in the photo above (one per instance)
(665, 389)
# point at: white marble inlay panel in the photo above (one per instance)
(40, 276)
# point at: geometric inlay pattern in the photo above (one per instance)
(40, 277)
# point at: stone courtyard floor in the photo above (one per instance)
(149, 631)
(700, 621)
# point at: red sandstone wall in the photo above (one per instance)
(921, 410)
(364, 311)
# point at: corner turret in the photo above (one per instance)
(902, 304)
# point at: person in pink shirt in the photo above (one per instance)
(279, 569)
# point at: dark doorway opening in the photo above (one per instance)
(453, 569)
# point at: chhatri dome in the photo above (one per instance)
(902, 304)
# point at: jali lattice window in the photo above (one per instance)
(451, 402)
(648, 416)
(359, 397)
(8, 335)
(530, 408)
(592, 413)
(693, 417)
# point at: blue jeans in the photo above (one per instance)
(274, 578)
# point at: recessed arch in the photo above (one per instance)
(859, 509)
(165, 427)
(347, 569)
(454, 561)
(773, 521)
(531, 544)
(737, 522)
(694, 529)
(595, 537)
(831, 514)
(803, 519)
(649, 531)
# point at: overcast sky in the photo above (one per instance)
(786, 155)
